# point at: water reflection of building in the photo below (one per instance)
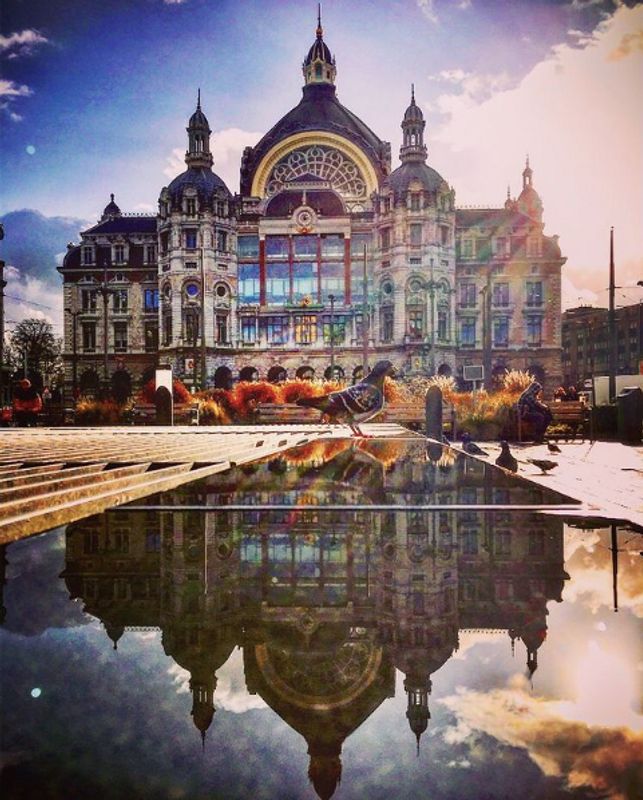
(325, 604)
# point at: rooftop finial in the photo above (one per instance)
(198, 99)
(527, 162)
(412, 93)
(111, 197)
(508, 192)
(320, 31)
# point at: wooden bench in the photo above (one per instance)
(411, 415)
(145, 414)
(574, 414)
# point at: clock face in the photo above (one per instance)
(305, 218)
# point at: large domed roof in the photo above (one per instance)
(400, 179)
(207, 184)
(318, 110)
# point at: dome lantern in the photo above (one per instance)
(111, 210)
(198, 153)
(413, 124)
(319, 65)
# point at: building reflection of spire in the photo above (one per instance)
(326, 604)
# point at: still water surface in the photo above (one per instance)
(324, 625)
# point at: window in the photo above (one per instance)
(415, 202)
(150, 254)
(192, 291)
(416, 323)
(445, 235)
(501, 246)
(276, 330)
(119, 253)
(248, 283)
(191, 265)
(386, 205)
(89, 337)
(88, 300)
(442, 325)
(305, 246)
(534, 331)
(468, 295)
(189, 238)
(536, 543)
(468, 332)
(151, 337)
(151, 300)
(502, 543)
(167, 329)
(221, 328)
(277, 247)
(534, 293)
(333, 281)
(332, 246)
(220, 208)
(304, 281)
(415, 262)
(88, 255)
(191, 326)
(338, 331)
(466, 247)
(277, 282)
(385, 239)
(305, 328)
(358, 242)
(387, 324)
(248, 247)
(500, 294)
(165, 238)
(501, 331)
(120, 337)
(533, 243)
(470, 543)
(415, 231)
(190, 206)
(248, 330)
(222, 241)
(120, 301)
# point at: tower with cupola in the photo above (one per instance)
(196, 270)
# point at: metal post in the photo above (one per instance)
(614, 549)
(432, 285)
(331, 297)
(486, 330)
(105, 292)
(203, 358)
(611, 325)
(365, 325)
(74, 358)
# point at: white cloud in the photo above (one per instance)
(463, 5)
(30, 297)
(21, 43)
(174, 2)
(474, 86)
(227, 147)
(231, 692)
(144, 207)
(12, 89)
(427, 8)
(578, 115)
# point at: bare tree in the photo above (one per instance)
(33, 342)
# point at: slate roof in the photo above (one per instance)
(401, 177)
(125, 225)
(318, 110)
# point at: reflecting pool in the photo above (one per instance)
(372, 620)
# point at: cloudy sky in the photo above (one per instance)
(95, 97)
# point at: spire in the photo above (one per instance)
(319, 65)
(527, 174)
(198, 153)
(413, 124)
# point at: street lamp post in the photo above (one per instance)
(105, 292)
(74, 345)
(331, 298)
(611, 326)
(365, 325)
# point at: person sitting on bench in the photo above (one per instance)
(531, 409)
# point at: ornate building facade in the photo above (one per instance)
(326, 255)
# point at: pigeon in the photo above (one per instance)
(543, 464)
(469, 446)
(553, 448)
(506, 459)
(357, 403)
